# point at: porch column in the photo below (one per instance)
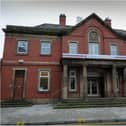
(114, 80)
(64, 82)
(85, 88)
(124, 74)
(81, 85)
(108, 84)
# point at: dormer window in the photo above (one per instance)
(93, 43)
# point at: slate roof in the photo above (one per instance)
(121, 32)
(58, 30)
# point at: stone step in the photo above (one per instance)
(96, 102)
(87, 103)
(89, 106)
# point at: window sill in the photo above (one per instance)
(43, 91)
(45, 54)
(72, 91)
(22, 54)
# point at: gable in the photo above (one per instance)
(95, 21)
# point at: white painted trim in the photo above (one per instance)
(49, 80)
(87, 56)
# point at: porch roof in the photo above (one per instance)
(97, 57)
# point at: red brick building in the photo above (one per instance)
(57, 61)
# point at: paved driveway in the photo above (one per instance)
(46, 113)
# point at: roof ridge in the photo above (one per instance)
(120, 29)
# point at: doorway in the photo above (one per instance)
(19, 78)
(93, 87)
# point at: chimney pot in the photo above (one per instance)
(108, 21)
(62, 20)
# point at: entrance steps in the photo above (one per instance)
(92, 102)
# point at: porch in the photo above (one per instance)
(84, 78)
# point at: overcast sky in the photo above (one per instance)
(35, 12)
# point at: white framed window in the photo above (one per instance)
(113, 50)
(93, 48)
(93, 42)
(72, 81)
(44, 80)
(73, 47)
(45, 47)
(22, 47)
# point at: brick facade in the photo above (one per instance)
(60, 36)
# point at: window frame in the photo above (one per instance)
(46, 41)
(39, 77)
(70, 42)
(112, 51)
(91, 49)
(75, 77)
(17, 47)
(93, 42)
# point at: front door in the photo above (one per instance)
(19, 84)
(93, 87)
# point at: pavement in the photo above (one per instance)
(45, 114)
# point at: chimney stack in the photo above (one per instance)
(62, 20)
(108, 21)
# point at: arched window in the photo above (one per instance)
(93, 42)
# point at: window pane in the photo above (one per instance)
(93, 48)
(44, 80)
(45, 44)
(45, 48)
(72, 83)
(45, 51)
(113, 50)
(73, 47)
(44, 73)
(72, 80)
(22, 47)
(44, 83)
